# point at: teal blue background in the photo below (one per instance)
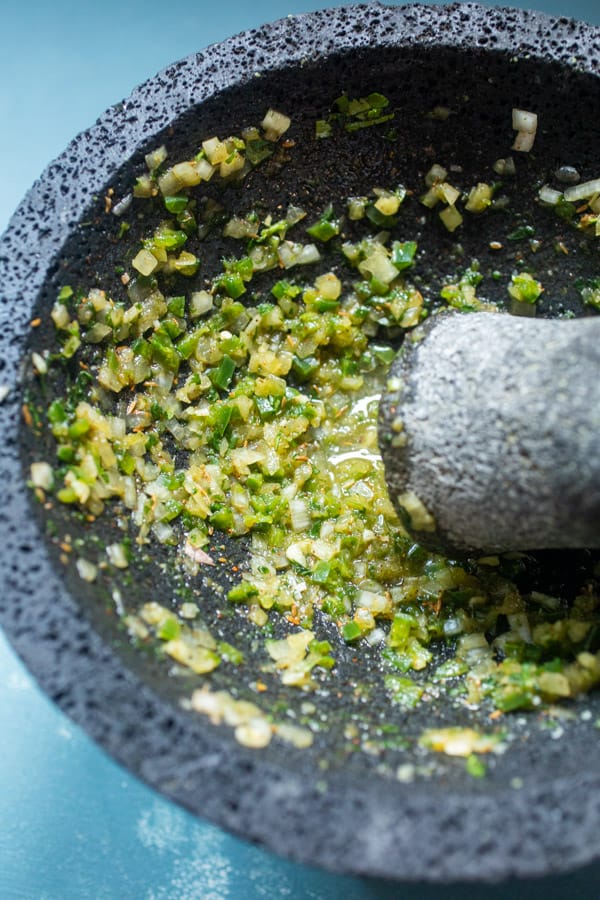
(73, 824)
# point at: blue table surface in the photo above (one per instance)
(73, 824)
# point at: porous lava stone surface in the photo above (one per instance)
(448, 828)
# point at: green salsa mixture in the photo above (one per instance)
(246, 405)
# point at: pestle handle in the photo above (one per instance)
(490, 433)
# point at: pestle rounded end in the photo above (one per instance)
(490, 433)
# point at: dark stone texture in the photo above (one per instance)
(500, 432)
(350, 819)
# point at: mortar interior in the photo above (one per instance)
(480, 87)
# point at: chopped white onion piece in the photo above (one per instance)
(216, 151)
(525, 121)
(144, 262)
(41, 475)
(116, 555)
(387, 203)
(453, 626)
(377, 636)
(209, 703)
(234, 162)
(97, 333)
(295, 554)
(187, 173)
(39, 363)
(324, 549)
(188, 610)
(479, 198)
(275, 124)
(129, 492)
(431, 198)
(117, 427)
(451, 218)
(167, 182)
(237, 228)
(256, 733)
(294, 215)
(293, 254)
(525, 124)
(357, 208)
(156, 157)
(60, 315)
(375, 603)
(549, 195)
(523, 141)
(447, 193)
(86, 570)
(200, 303)
(435, 174)
(299, 514)
(329, 286)
(309, 254)
(505, 166)
(294, 734)
(582, 191)
(378, 265)
(204, 169)
(163, 532)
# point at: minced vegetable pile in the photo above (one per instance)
(247, 404)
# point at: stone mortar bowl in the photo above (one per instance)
(538, 810)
